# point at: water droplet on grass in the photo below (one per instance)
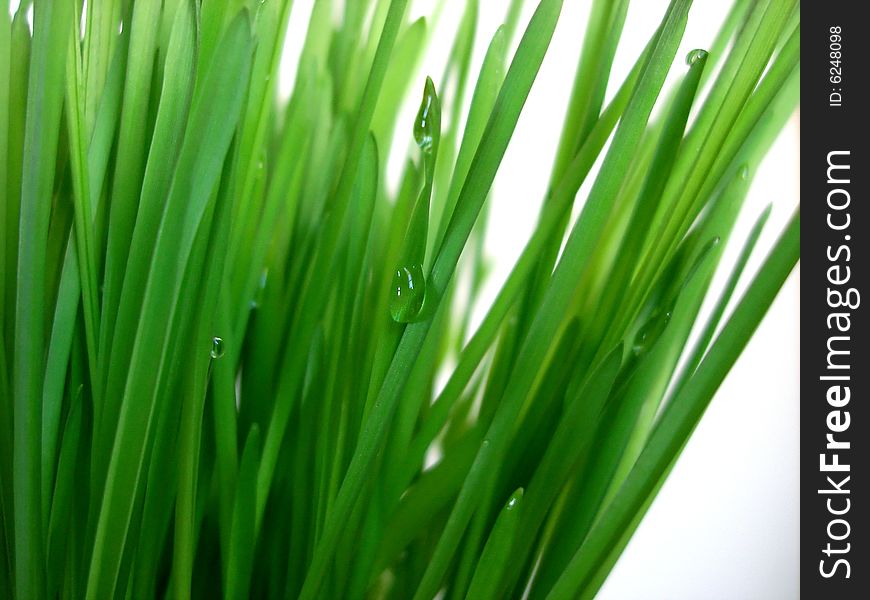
(408, 293)
(261, 288)
(514, 500)
(424, 126)
(217, 347)
(650, 332)
(695, 55)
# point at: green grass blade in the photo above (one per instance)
(83, 227)
(60, 345)
(570, 443)
(6, 416)
(226, 439)
(680, 417)
(344, 188)
(603, 32)
(409, 49)
(512, 18)
(706, 335)
(61, 502)
(57, 363)
(44, 105)
(168, 135)
(132, 145)
(18, 86)
(5, 86)
(212, 243)
(482, 101)
(242, 537)
(492, 147)
(578, 248)
(200, 160)
(736, 81)
(648, 200)
(496, 554)
(102, 19)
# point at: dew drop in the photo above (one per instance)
(217, 347)
(514, 500)
(427, 119)
(649, 332)
(695, 55)
(408, 293)
(261, 287)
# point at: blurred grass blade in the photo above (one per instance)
(576, 253)
(680, 417)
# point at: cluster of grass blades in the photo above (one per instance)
(221, 331)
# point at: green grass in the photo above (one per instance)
(221, 330)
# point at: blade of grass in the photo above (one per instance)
(496, 553)
(102, 19)
(61, 340)
(481, 174)
(18, 86)
(482, 101)
(476, 348)
(58, 530)
(242, 537)
(603, 31)
(569, 445)
(5, 83)
(200, 160)
(679, 419)
(126, 182)
(405, 58)
(44, 105)
(283, 407)
(168, 135)
(649, 199)
(706, 335)
(578, 248)
(213, 242)
(739, 75)
(6, 416)
(83, 227)
(512, 18)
